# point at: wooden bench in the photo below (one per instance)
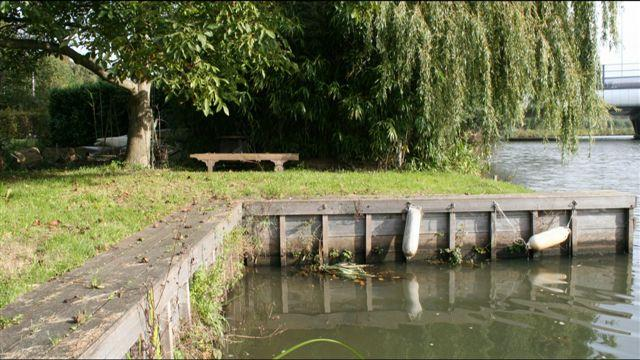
(278, 159)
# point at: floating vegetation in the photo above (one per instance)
(345, 270)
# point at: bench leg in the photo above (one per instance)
(210, 165)
(279, 165)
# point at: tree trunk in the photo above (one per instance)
(140, 126)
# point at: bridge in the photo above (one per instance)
(621, 88)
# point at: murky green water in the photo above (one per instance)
(544, 308)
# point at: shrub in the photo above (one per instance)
(20, 124)
(83, 113)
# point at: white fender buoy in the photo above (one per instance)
(411, 231)
(548, 238)
(411, 291)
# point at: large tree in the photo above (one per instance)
(434, 84)
(206, 52)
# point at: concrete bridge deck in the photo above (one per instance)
(621, 88)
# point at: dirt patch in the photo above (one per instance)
(16, 257)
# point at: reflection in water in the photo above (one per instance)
(551, 308)
(544, 279)
(411, 291)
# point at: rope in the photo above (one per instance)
(515, 230)
(519, 238)
(573, 207)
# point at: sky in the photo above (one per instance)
(628, 51)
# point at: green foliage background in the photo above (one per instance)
(403, 84)
(427, 85)
(83, 113)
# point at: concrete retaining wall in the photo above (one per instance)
(159, 260)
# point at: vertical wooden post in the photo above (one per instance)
(452, 227)
(283, 241)
(534, 230)
(323, 247)
(534, 221)
(492, 234)
(574, 232)
(630, 228)
(368, 231)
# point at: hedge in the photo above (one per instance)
(20, 124)
(81, 114)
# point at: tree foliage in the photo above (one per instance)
(434, 84)
(28, 88)
(407, 84)
(203, 51)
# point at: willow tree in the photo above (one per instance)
(431, 84)
(202, 51)
(461, 75)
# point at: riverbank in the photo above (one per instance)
(541, 134)
(52, 221)
(209, 292)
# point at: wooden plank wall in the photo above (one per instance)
(377, 237)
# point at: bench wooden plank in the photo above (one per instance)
(278, 159)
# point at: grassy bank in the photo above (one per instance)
(52, 221)
(209, 288)
(542, 134)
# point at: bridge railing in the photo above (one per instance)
(620, 70)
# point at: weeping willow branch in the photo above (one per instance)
(451, 79)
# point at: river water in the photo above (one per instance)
(544, 308)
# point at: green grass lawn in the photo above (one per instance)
(51, 221)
